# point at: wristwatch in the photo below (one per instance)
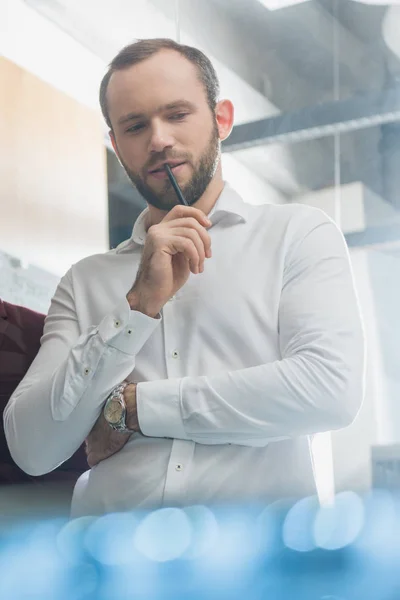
(115, 410)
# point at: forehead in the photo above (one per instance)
(160, 79)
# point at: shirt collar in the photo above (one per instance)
(229, 206)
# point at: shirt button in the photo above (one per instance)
(86, 371)
(117, 323)
(178, 467)
(130, 331)
(175, 354)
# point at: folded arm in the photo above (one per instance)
(316, 386)
(59, 400)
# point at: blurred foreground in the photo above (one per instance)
(299, 551)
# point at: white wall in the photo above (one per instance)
(52, 217)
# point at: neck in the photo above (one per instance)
(205, 203)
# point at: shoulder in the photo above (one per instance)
(296, 214)
(102, 259)
(289, 222)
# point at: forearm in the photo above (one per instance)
(56, 405)
(289, 398)
(103, 440)
(145, 305)
(39, 436)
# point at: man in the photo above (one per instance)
(203, 352)
(20, 333)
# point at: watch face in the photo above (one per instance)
(113, 412)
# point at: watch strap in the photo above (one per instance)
(117, 395)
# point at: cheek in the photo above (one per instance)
(198, 141)
(132, 155)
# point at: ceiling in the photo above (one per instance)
(335, 50)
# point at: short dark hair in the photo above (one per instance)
(142, 49)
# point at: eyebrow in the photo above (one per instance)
(177, 104)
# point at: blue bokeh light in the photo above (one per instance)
(381, 531)
(268, 532)
(218, 552)
(164, 535)
(234, 554)
(205, 532)
(32, 567)
(338, 525)
(70, 540)
(110, 539)
(297, 529)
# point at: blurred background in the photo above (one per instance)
(316, 86)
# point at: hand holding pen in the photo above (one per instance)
(174, 248)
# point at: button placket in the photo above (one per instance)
(175, 490)
(172, 352)
(181, 457)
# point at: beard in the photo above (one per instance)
(193, 189)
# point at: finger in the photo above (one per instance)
(191, 222)
(179, 211)
(194, 236)
(92, 460)
(186, 246)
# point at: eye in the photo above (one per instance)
(135, 128)
(178, 116)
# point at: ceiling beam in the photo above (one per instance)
(358, 112)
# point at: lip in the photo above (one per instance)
(175, 168)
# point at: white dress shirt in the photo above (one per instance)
(245, 363)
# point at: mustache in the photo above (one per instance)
(156, 159)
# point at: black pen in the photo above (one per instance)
(176, 187)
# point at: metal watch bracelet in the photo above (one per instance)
(117, 395)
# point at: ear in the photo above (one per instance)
(224, 114)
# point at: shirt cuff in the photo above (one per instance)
(127, 330)
(159, 409)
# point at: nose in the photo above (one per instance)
(161, 137)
